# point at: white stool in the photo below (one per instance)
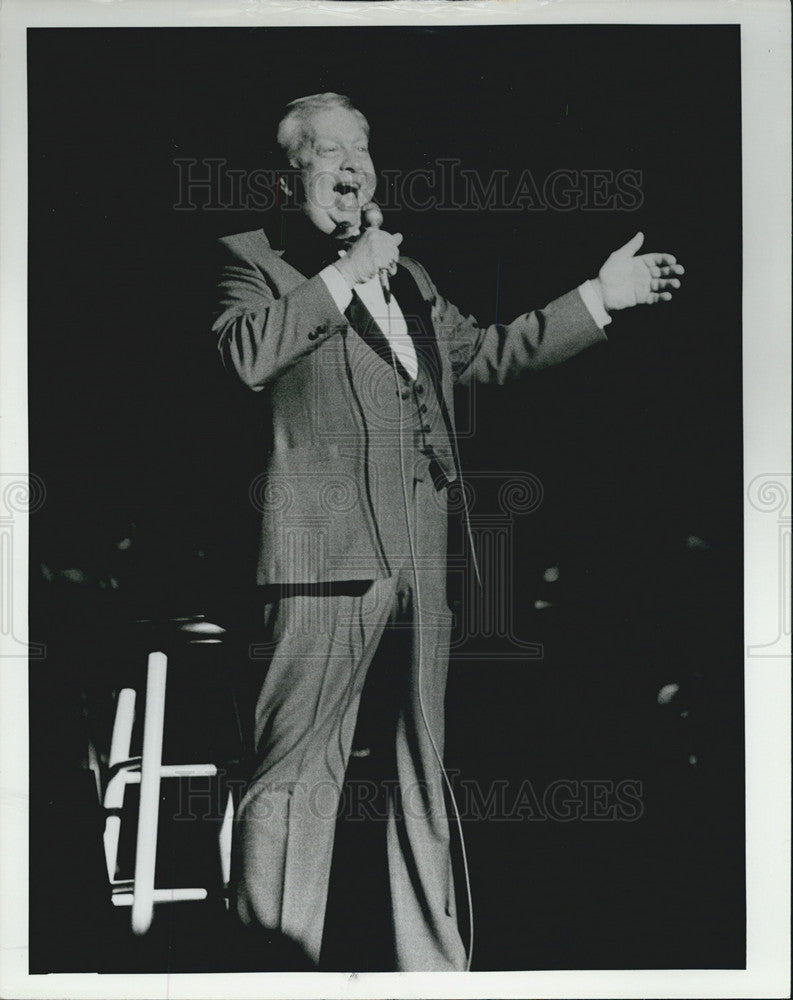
(148, 771)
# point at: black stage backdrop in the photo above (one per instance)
(637, 443)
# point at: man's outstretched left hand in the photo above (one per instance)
(626, 280)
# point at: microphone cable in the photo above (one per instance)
(419, 629)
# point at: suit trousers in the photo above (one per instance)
(323, 642)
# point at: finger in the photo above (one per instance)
(661, 284)
(388, 261)
(662, 272)
(659, 259)
(397, 238)
(633, 244)
(654, 297)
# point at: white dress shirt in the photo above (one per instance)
(388, 316)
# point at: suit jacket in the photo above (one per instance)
(329, 421)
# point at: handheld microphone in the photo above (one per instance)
(373, 218)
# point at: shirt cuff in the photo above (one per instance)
(337, 286)
(593, 300)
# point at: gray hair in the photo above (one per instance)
(294, 129)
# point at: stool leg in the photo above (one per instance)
(224, 840)
(114, 793)
(148, 815)
(121, 739)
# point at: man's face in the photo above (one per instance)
(337, 172)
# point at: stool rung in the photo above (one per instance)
(131, 770)
(125, 897)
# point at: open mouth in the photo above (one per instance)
(347, 194)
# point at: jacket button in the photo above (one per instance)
(419, 388)
(423, 408)
(426, 428)
(404, 393)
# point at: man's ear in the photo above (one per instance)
(291, 184)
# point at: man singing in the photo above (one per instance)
(357, 442)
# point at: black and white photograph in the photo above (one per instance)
(394, 482)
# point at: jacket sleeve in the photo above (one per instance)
(260, 334)
(503, 351)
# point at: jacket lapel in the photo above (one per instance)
(371, 333)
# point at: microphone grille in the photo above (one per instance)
(372, 216)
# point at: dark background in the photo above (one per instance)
(637, 443)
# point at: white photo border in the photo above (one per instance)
(766, 118)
